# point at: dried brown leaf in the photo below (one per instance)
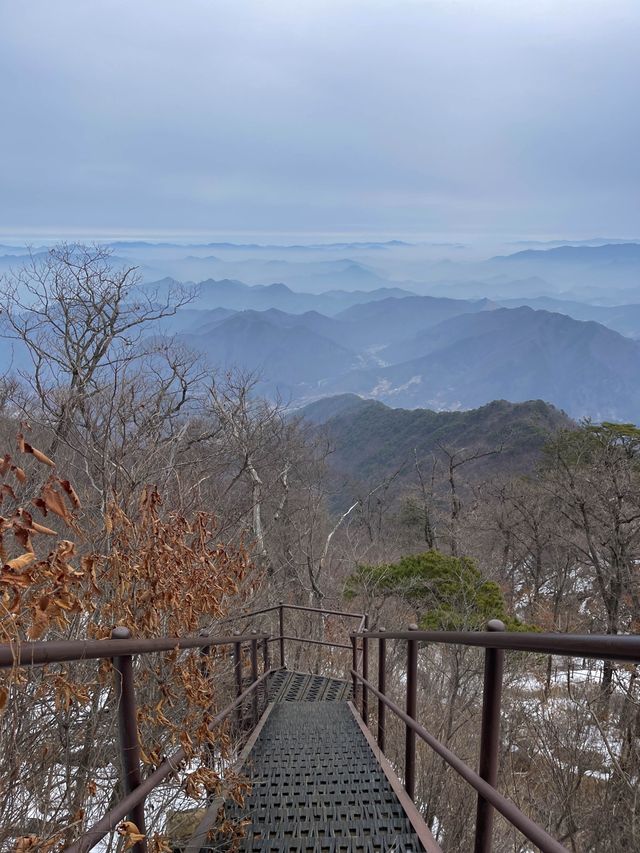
(22, 561)
(54, 502)
(73, 495)
(131, 834)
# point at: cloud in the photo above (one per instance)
(398, 116)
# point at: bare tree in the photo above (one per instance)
(79, 318)
(456, 458)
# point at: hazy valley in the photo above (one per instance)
(398, 323)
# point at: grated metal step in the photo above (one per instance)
(316, 784)
(286, 686)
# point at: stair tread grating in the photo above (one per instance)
(316, 785)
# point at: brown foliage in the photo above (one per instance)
(159, 573)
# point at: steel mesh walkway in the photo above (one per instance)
(286, 686)
(317, 786)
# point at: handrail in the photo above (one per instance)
(527, 827)
(601, 646)
(308, 640)
(170, 765)
(495, 640)
(120, 649)
(59, 651)
(284, 606)
(281, 637)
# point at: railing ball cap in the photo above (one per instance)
(496, 625)
(120, 633)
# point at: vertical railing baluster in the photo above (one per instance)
(354, 667)
(128, 732)
(237, 666)
(489, 738)
(265, 669)
(411, 708)
(281, 620)
(382, 686)
(365, 673)
(254, 675)
(205, 670)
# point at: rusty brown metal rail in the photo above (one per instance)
(121, 648)
(135, 798)
(62, 651)
(495, 641)
(281, 637)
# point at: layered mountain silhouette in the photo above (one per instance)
(421, 351)
(515, 354)
(533, 338)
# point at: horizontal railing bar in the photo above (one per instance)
(293, 607)
(313, 642)
(324, 612)
(170, 765)
(508, 809)
(602, 646)
(58, 651)
(247, 615)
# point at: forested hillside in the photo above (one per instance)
(371, 442)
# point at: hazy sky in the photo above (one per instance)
(395, 117)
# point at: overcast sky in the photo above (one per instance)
(407, 118)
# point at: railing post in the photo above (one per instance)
(205, 656)
(489, 738)
(254, 676)
(365, 673)
(354, 667)
(411, 708)
(128, 732)
(281, 620)
(237, 666)
(265, 668)
(382, 686)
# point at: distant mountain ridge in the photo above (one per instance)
(607, 253)
(371, 441)
(416, 351)
(236, 295)
(514, 354)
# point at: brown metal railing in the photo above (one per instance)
(120, 649)
(281, 637)
(495, 641)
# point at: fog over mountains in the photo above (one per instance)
(410, 325)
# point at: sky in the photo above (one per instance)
(395, 118)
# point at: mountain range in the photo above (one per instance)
(423, 351)
(507, 327)
(371, 441)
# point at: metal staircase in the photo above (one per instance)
(319, 780)
(285, 686)
(317, 786)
